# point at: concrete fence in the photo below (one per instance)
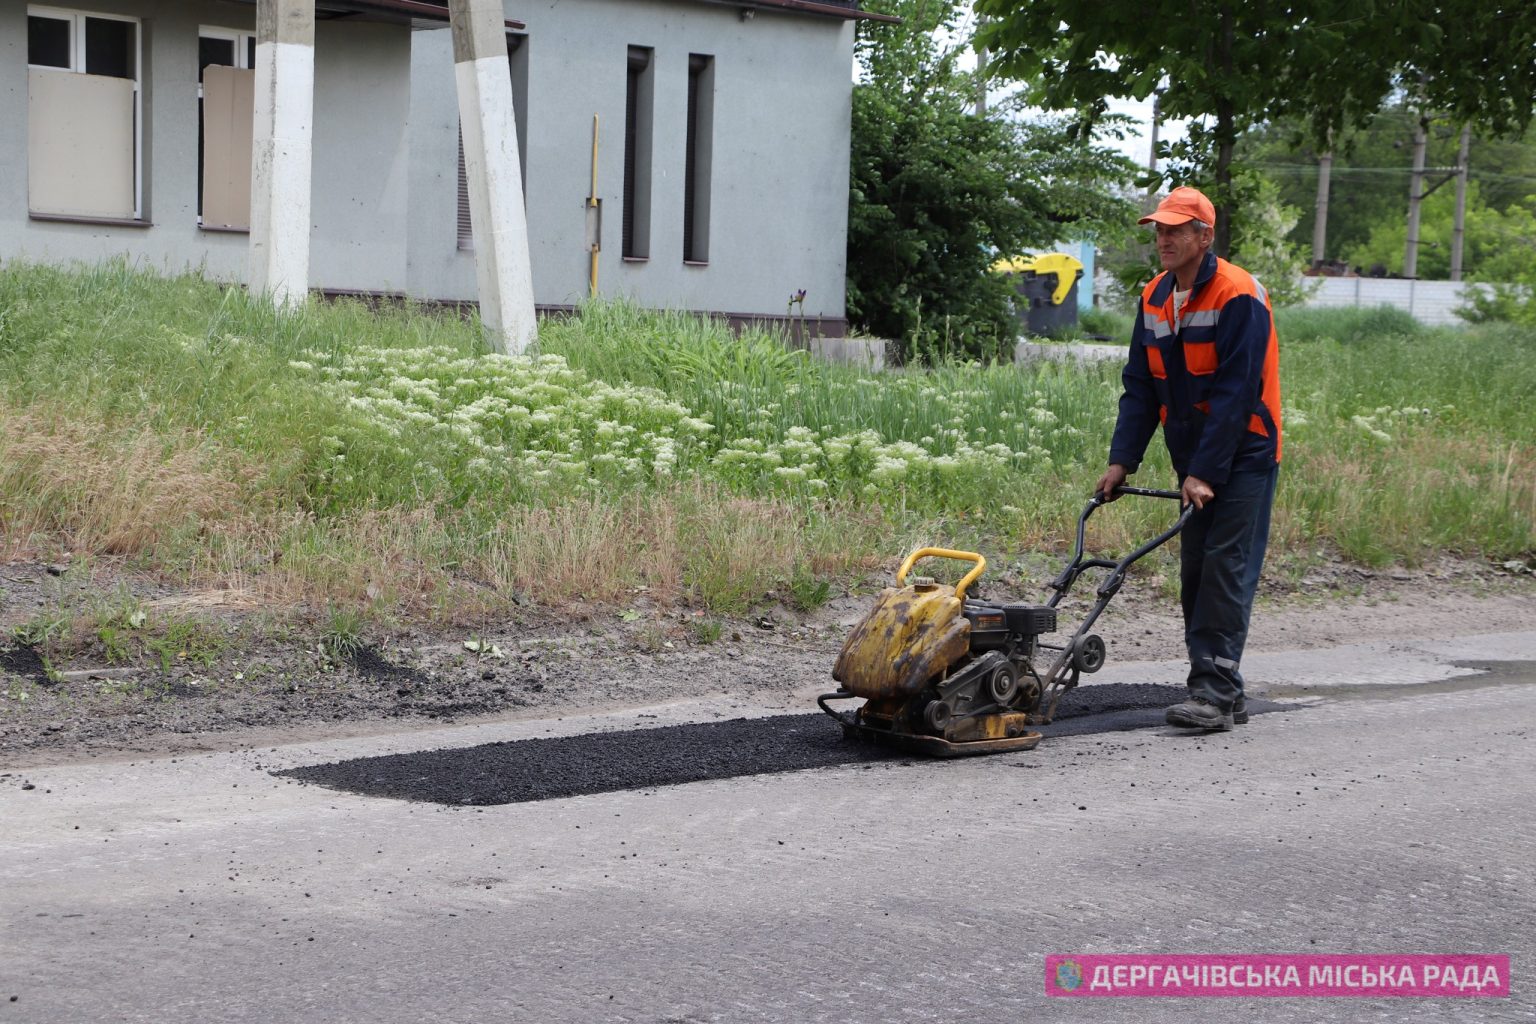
(1430, 302)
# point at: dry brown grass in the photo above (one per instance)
(69, 484)
(202, 519)
(73, 483)
(590, 548)
(694, 543)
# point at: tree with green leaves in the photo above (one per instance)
(938, 193)
(1322, 64)
(1498, 243)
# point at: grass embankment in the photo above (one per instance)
(381, 462)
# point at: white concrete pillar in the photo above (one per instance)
(1320, 216)
(500, 223)
(281, 148)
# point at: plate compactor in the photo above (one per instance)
(949, 675)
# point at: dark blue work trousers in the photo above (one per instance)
(1221, 552)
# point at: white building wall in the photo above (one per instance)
(360, 178)
(779, 202)
(172, 240)
(361, 174)
(384, 207)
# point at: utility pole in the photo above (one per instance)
(281, 146)
(1320, 223)
(981, 71)
(496, 214)
(1459, 231)
(1149, 202)
(1416, 198)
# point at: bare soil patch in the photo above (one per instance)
(248, 676)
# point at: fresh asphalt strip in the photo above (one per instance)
(603, 762)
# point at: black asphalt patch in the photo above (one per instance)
(24, 661)
(545, 769)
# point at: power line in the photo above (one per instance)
(1338, 171)
(1361, 170)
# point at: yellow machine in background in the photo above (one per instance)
(1047, 289)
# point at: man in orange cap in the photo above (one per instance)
(1204, 364)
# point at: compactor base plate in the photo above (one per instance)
(937, 746)
(931, 746)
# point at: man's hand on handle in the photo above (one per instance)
(1197, 492)
(1113, 477)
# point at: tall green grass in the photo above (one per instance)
(1348, 325)
(1400, 440)
(1411, 440)
(173, 355)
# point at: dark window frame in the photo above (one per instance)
(639, 122)
(698, 158)
(517, 67)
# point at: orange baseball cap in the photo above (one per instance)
(1181, 206)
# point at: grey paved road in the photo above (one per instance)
(1397, 816)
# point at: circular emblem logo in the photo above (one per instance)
(1069, 975)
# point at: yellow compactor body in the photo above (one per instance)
(948, 674)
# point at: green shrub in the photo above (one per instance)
(1106, 323)
(1346, 325)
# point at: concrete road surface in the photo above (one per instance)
(1395, 814)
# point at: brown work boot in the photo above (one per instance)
(1240, 711)
(1199, 713)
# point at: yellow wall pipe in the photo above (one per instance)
(592, 203)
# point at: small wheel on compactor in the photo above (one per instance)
(1088, 653)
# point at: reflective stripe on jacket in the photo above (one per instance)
(1211, 379)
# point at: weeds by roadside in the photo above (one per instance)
(341, 636)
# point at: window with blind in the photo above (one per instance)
(226, 92)
(517, 64)
(83, 114)
(638, 107)
(696, 168)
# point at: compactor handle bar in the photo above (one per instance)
(1063, 672)
(1116, 578)
(964, 556)
(1074, 568)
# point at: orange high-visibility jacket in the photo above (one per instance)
(1211, 379)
